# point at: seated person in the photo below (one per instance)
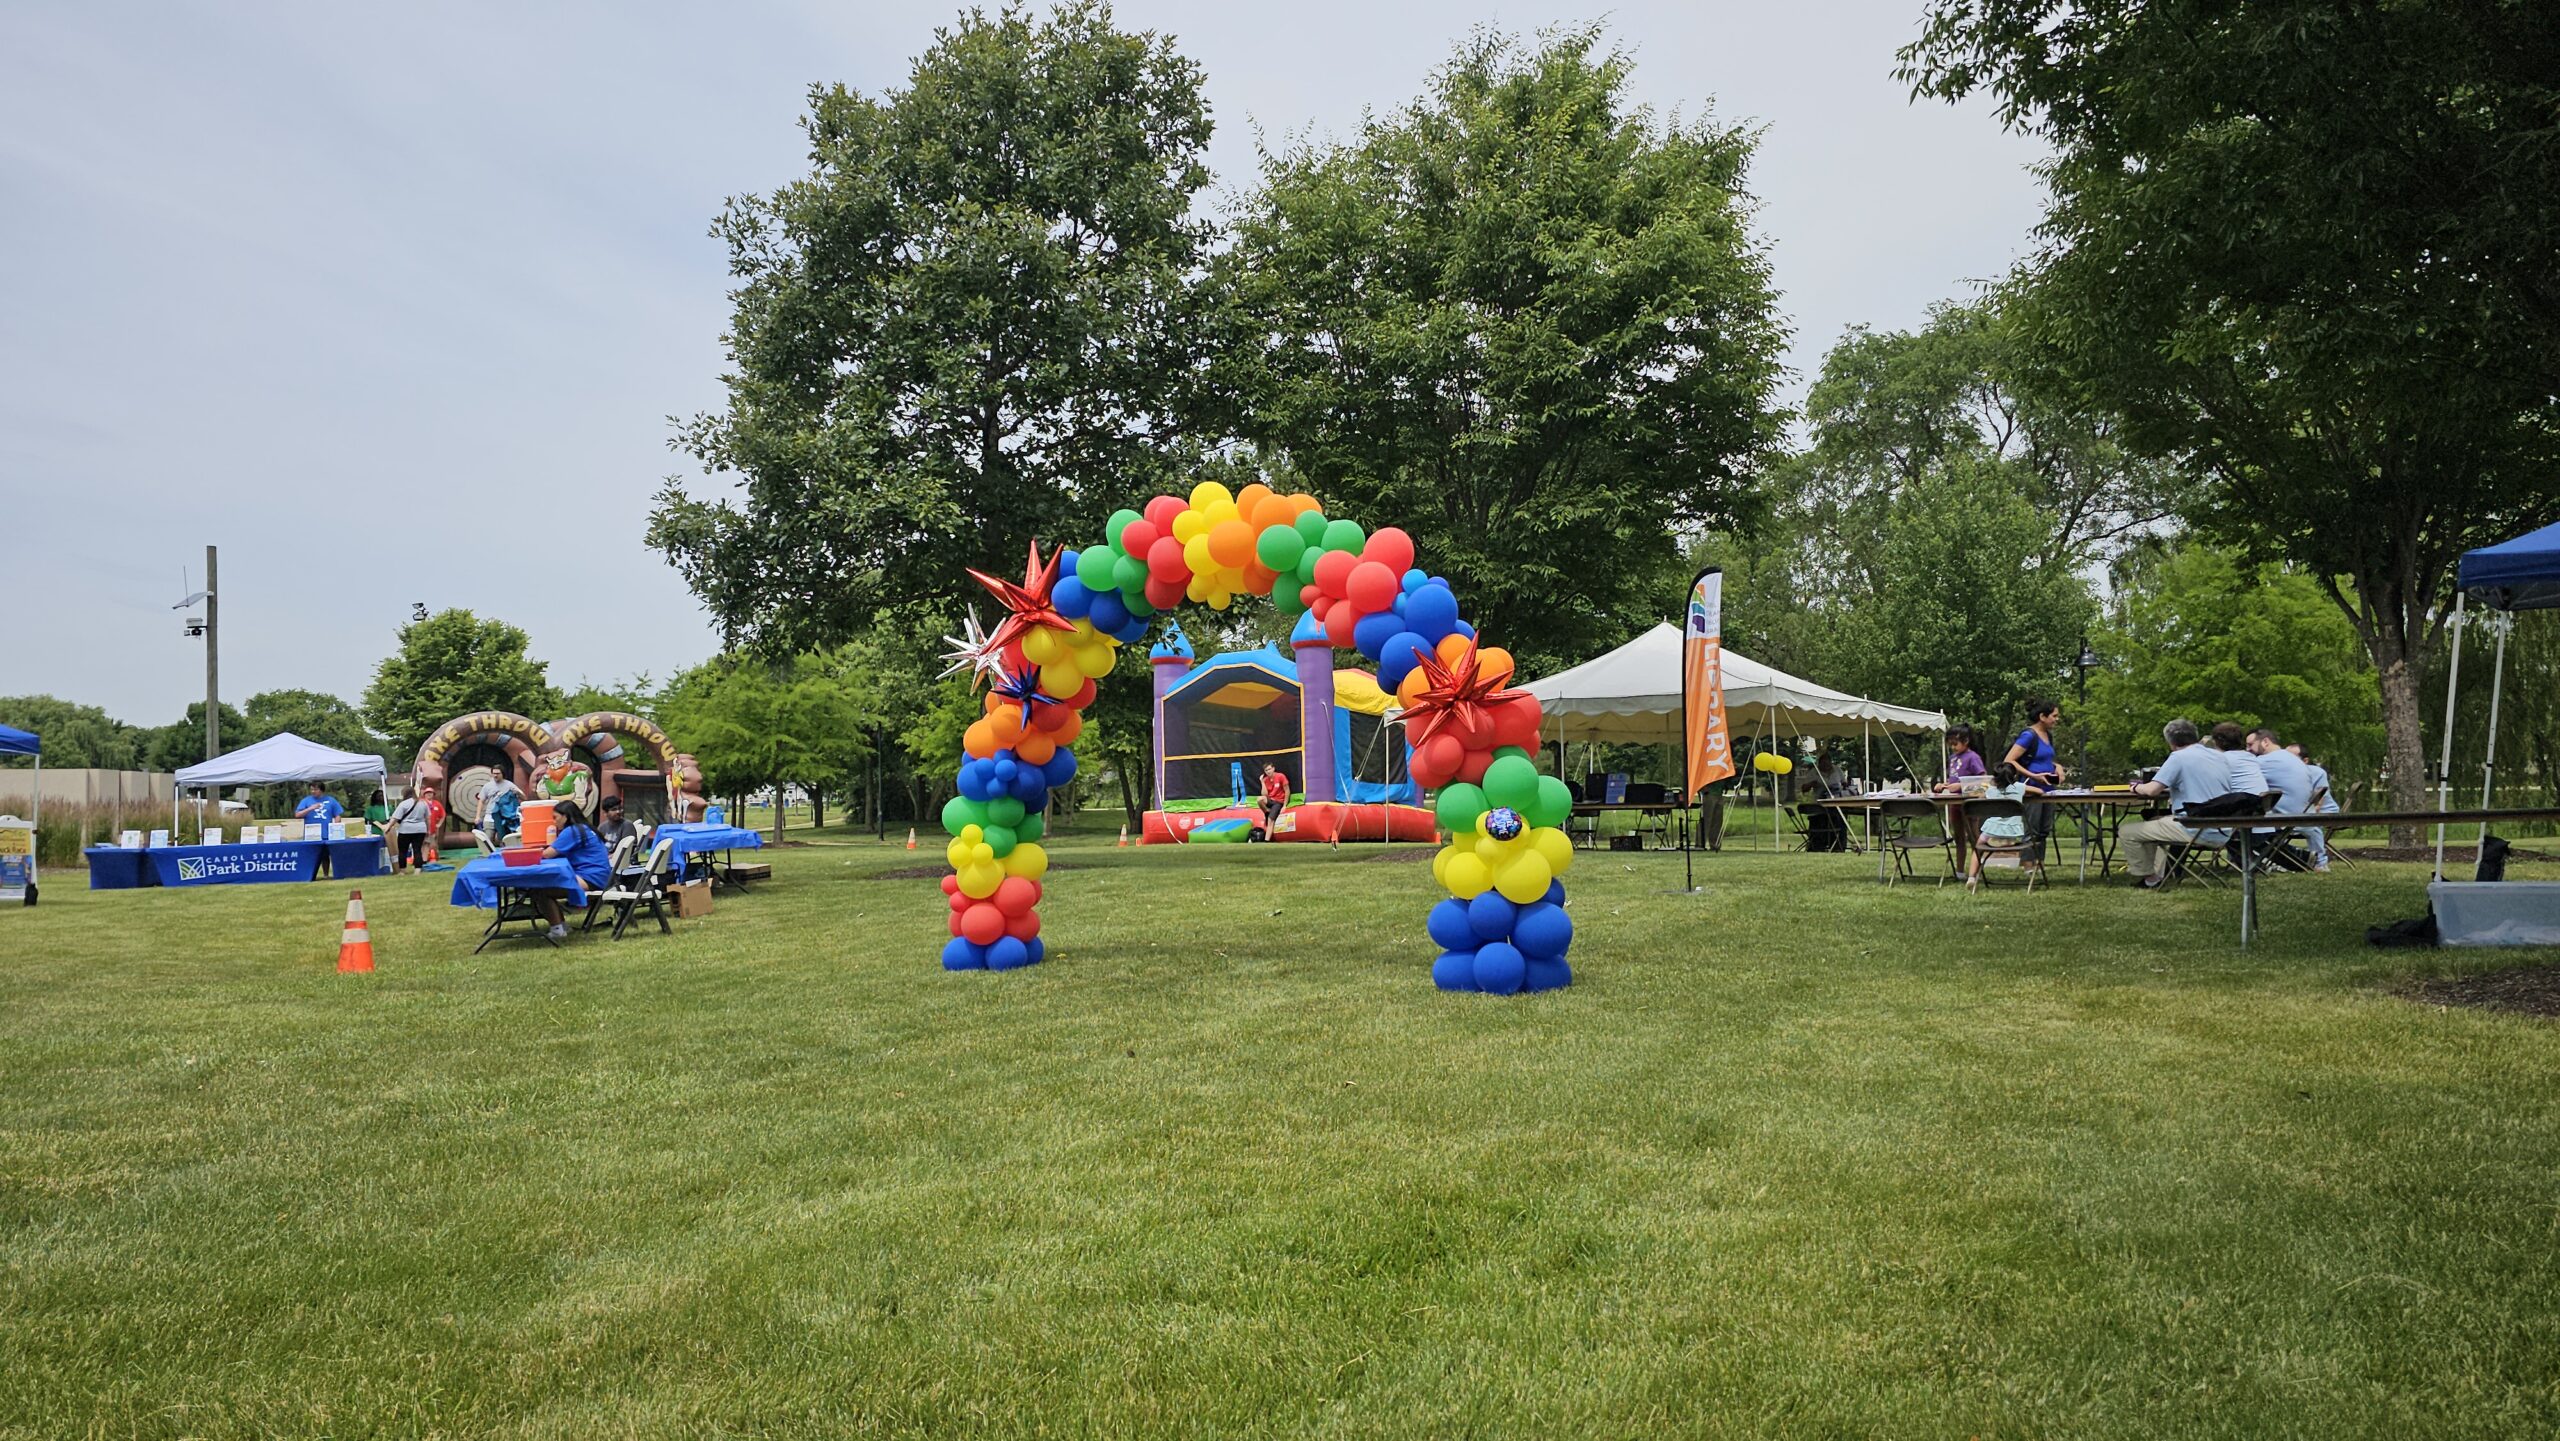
(1275, 796)
(2193, 776)
(577, 843)
(1963, 761)
(2324, 801)
(2246, 775)
(2289, 780)
(611, 825)
(1825, 829)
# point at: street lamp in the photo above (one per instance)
(2081, 665)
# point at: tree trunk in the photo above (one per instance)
(817, 807)
(1137, 819)
(2403, 724)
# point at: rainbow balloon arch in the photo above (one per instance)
(1503, 928)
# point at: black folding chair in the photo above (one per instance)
(1897, 831)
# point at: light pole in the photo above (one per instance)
(2081, 665)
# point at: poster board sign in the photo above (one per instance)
(17, 861)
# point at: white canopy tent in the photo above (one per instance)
(283, 757)
(1632, 695)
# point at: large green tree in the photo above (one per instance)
(73, 734)
(976, 321)
(181, 742)
(310, 714)
(2305, 248)
(749, 723)
(450, 664)
(1527, 320)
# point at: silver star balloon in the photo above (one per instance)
(973, 650)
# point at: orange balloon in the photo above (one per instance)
(1493, 661)
(1409, 689)
(1231, 542)
(1451, 647)
(1249, 503)
(980, 740)
(1301, 503)
(989, 702)
(1258, 578)
(1034, 749)
(1066, 731)
(1006, 724)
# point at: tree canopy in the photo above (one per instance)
(1527, 319)
(450, 664)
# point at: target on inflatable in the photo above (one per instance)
(1503, 928)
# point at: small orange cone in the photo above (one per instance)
(911, 838)
(1124, 833)
(355, 944)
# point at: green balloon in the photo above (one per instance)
(960, 812)
(1280, 546)
(1500, 752)
(1100, 562)
(1310, 526)
(1004, 811)
(1129, 573)
(1030, 826)
(1461, 806)
(1002, 838)
(1512, 781)
(1284, 598)
(1119, 522)
(1554, 804)
(1307, 564)
(1344, 535)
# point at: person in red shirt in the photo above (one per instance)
(1275, 796)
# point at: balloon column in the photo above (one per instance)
(1504, 928)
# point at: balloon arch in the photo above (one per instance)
(1503, 928)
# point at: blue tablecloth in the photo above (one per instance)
(260, 864)
(113, 868)
(475, 884)
(695, 837)
(353, 860)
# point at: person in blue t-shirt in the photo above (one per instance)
(318, 808)
(577, 843)
(2030, 762)
(2193, 775)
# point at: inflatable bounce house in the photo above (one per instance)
(1219, 721)
(581, 759)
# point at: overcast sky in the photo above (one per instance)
(344, 289)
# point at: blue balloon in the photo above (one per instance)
(1007, 954)
(1038, 948)
(1397, 658)
(1549, 974)
(1415, 580)
(1136, 630)
(1462, 630)
(1031, 787)
(963, 954)
(1431, 612)
(1072, 597)
(1108, 612)
(1448, 926)
(1374, 631)
(1490, 916)
(1555, 893)
(1454, 971)
(1060, 769)
(1501, 969)
(973, 780)
(1542, 931)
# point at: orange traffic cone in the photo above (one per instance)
(1124, 833)
(911, 838)
(355, 945)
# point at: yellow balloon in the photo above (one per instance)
(1217, 512)
(1197, 587)
(1060, 677)
(1208, 493)
(957, 853)
(1440, 865)
(1555, 845)
(1524, 879)
(1498, 853)
(1467, 876)
(1220, 597)
(1189, 526)
(1040, 645)
(971, 834)
(1027, 861)
(1097, 660)
(980, 879)
(981, 853)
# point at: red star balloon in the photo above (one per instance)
(1026, 605)
(1455, 693)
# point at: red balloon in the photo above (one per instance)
(1333, 571)
(1165, 562)
(955, 923)
(1515, 723)
(959, 902)
(1165, 594)
(1338, 624)
(1023, 927)
(1391, 548)
(1161, 511)
(951, 885)
(1310, 597)
(1138, 537)
(1016, 895)
(1372, 586)
(1436, 761)
(982, 923)
(1471, 770)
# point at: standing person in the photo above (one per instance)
(1275, 797)
(2030, 760)
(409, 823)
(577, 843)
(318, 808)
(501, 806)
(2193, 776)
(1963, 761)
(375, 812)
(435, 819)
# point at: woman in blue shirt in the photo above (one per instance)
(2030, 759)
(577, 843)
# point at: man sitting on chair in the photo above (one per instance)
(2194, 775)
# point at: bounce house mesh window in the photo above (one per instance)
(1373, 770)
(1211, 731)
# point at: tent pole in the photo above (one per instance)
(2444, 766)
(38, 817)
(2501, 624)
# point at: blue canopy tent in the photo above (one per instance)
(2513, 575)
(15, 742)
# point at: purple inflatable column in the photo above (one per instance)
(1315, 708)
(1170, 658)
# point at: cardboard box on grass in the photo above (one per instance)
(692, 899)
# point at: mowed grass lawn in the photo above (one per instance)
(1797, 1156)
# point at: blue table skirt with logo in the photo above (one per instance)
(113, 868)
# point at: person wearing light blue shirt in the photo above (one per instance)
(2317, 797)
(2193, 775)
